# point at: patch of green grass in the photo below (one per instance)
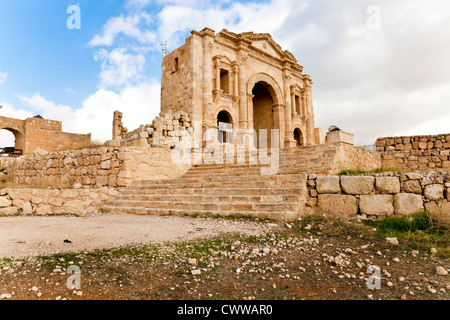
(421, 230)
(335, 227)
(359, 172)
(239, 217)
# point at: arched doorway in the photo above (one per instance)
(262, 112)
(225, 126)
(11, 139)
(298, 137)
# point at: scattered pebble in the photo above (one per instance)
(440, 271)
(196, 272)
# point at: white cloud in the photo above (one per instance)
(9, 111)
(3, 76)
(139, 104)
(129, 26)
(119, 67)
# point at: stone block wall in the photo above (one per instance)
(379, 195)
(43, 202)
(95, 167)
(415, 152)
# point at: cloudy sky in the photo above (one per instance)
(380, 67)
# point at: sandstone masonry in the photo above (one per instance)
(381, 194)
(415, 152)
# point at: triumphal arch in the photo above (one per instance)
(228, 81)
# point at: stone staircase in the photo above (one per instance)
(230, 189)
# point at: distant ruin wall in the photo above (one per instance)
(415, 152)
(37, 133)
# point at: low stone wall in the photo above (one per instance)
(43, 202)
(380, 195)
(415, 152)
(96, 167)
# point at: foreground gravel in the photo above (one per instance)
(33, 236)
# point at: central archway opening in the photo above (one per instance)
(225, 125)
(298, 137)
(262, 113)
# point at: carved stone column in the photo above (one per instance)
(243, 110)
(288, 130)
(278, 115)
(207, 84)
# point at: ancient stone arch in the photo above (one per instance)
(38, 133)
(17, 128)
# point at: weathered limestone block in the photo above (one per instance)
(407, 203)
(440, 209)
(9, 211)
(75, 207)
(69, 193)
(56, 202)
(414, 176)
(42, 210)
(412, 186)
(328, 184)
(387, 184)
(27, 209)
(357, 184)
(102, 180)
(377, 205)
(344, 205)
(36, 200)
(5, 202)
(434, 192)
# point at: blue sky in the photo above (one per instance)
(379, 67)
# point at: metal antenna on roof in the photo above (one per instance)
(164, 49)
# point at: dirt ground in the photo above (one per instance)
(32, 236)
(174, 258)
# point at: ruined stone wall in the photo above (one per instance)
(42, 202)
(379, 195)
(166, 131)
(96, 167)
(415, 152)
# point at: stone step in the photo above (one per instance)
(209, 198)
(214, 191)
(274, 215)
(268, 183)
(221, 178)
(236, 207)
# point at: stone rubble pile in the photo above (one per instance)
(166, 130)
